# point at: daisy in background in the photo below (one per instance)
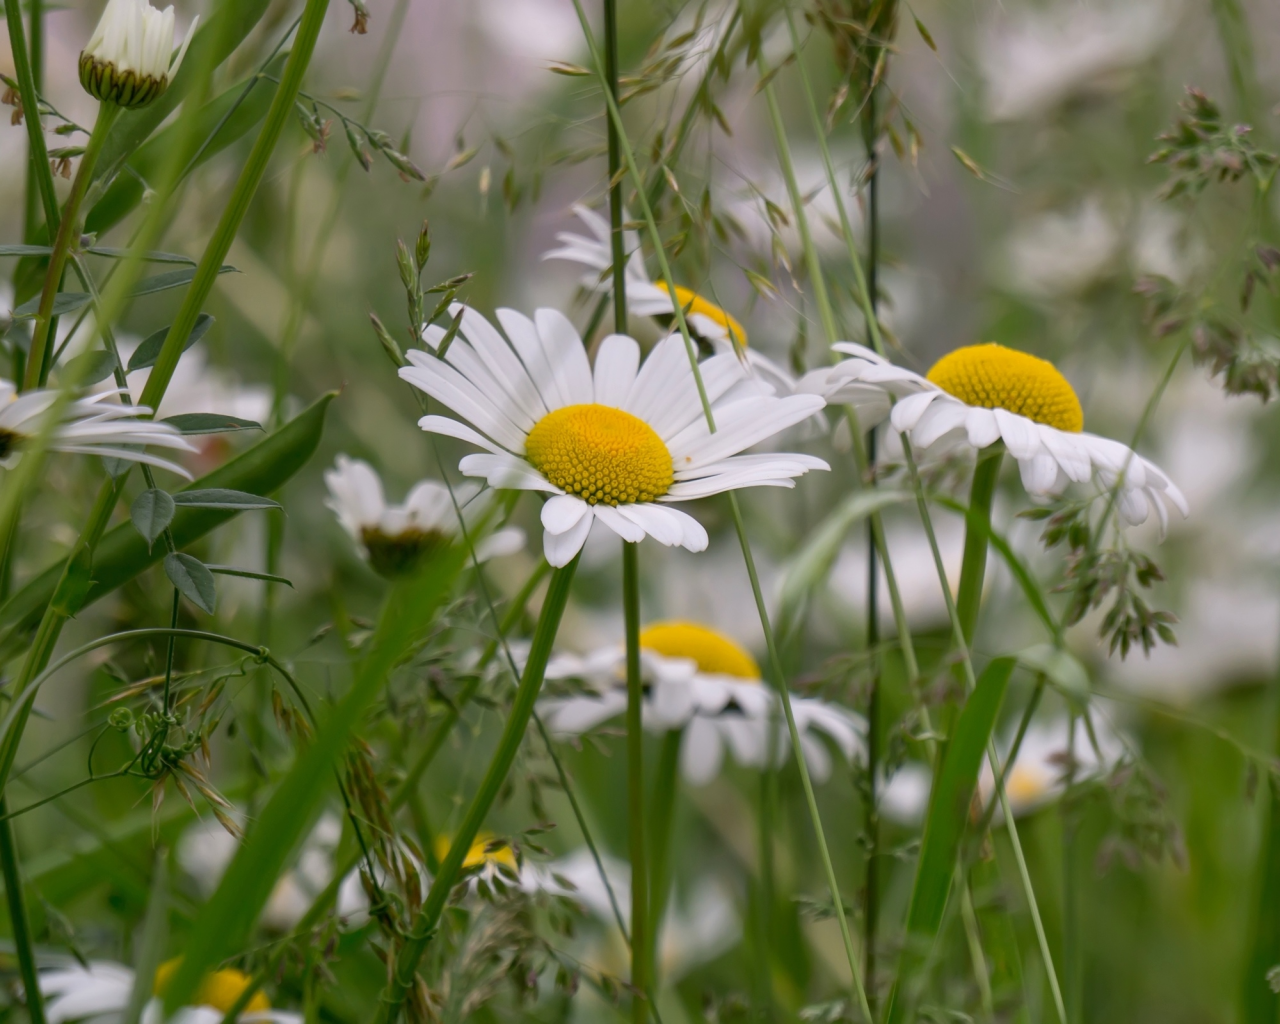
(706, 320)
(94, 425)
(981, 394)
(399, 538)
(1048, 757)
(619, 444)
(703, 683)
(99, 993)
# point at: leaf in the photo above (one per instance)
(814, 560)
(90, 367)
(193, 580)
(224, 922)
(123, 554)
(209, 423)
(151, 512)
(222, 497)
(945, 825)
(63, 303)
(148, 352)
(152, 943)
(148, 257)
(173, 279)
(228, 570)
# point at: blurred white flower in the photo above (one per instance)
(1046, 759)
(99, 993)
(1062, 253)
(705, 319)
(206, 848)
(1032, 60)
(129, 59)
(398, 538)
(94, 425)
(198, 386)
(693, 932)
(701, 682)
(980, 394)
(616, 445)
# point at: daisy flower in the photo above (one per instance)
(981, 394)
(1036, 778)
(619, 444)
(702, 682)
(399, 538)
(99, 993)
(706, 320)
(87, 426)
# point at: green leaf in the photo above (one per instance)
(813, 562)
(145, 354)
(222, 497)
(63, 303)
(69, 302)
(209, 423)
(193, 580)
(97, 250)
(123, 554)
(151, 512)
(227, 918)
(152, 943)
(945, 825)
(230, 570)
(90, 367)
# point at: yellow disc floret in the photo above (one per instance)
(219, 990)
(601, 454)
(691, 302)
(714, 653)
(479, 852)
(994, 377)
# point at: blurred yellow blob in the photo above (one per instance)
(219, 990)
(477, 854)
(691, 302)
(994, 377)
(714, 653)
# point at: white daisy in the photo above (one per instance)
(88, 426)
(700, 681)
(1037, 777)
(617, 445)
(706, 319)
(99, 993)
(129, 59)
(981, 394)
(398, 538)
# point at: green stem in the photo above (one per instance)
(973, 568)
(973, 938)
(18, 915)
(966, 667)
(811, 800)
(33, 186)
(615, 182)
(419, 936)
(39, 360)
(37, 152)
(640, 941)
(665, 785)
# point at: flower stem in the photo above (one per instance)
(665, 785)
(28, 89)
(973, 568)
(640, 942)
(424, 926)
(39, 361)
(615, 162)
(18, 914)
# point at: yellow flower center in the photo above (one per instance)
(994, 377)
(478, 854)
(601, 454)
(1025, 784)
(691, 302)
(219, 990)
(714, 653)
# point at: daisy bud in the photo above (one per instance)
(129, 58)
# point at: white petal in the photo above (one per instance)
(939, 419)
(453, 428)
(617, 363)
(619, 524)
(1039, 473)
(505, 472)
(701, 753)
(656, 521)
(907, 412)
(566, 356)
(563, 512)
(982, 427)
(1021, 435)
(561, 548)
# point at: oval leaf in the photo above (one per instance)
(151, 512)
(148, 352)
(90, 367)
(221, 497)
(209, 423)
(193, 580)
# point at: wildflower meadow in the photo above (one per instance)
(671, 511)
